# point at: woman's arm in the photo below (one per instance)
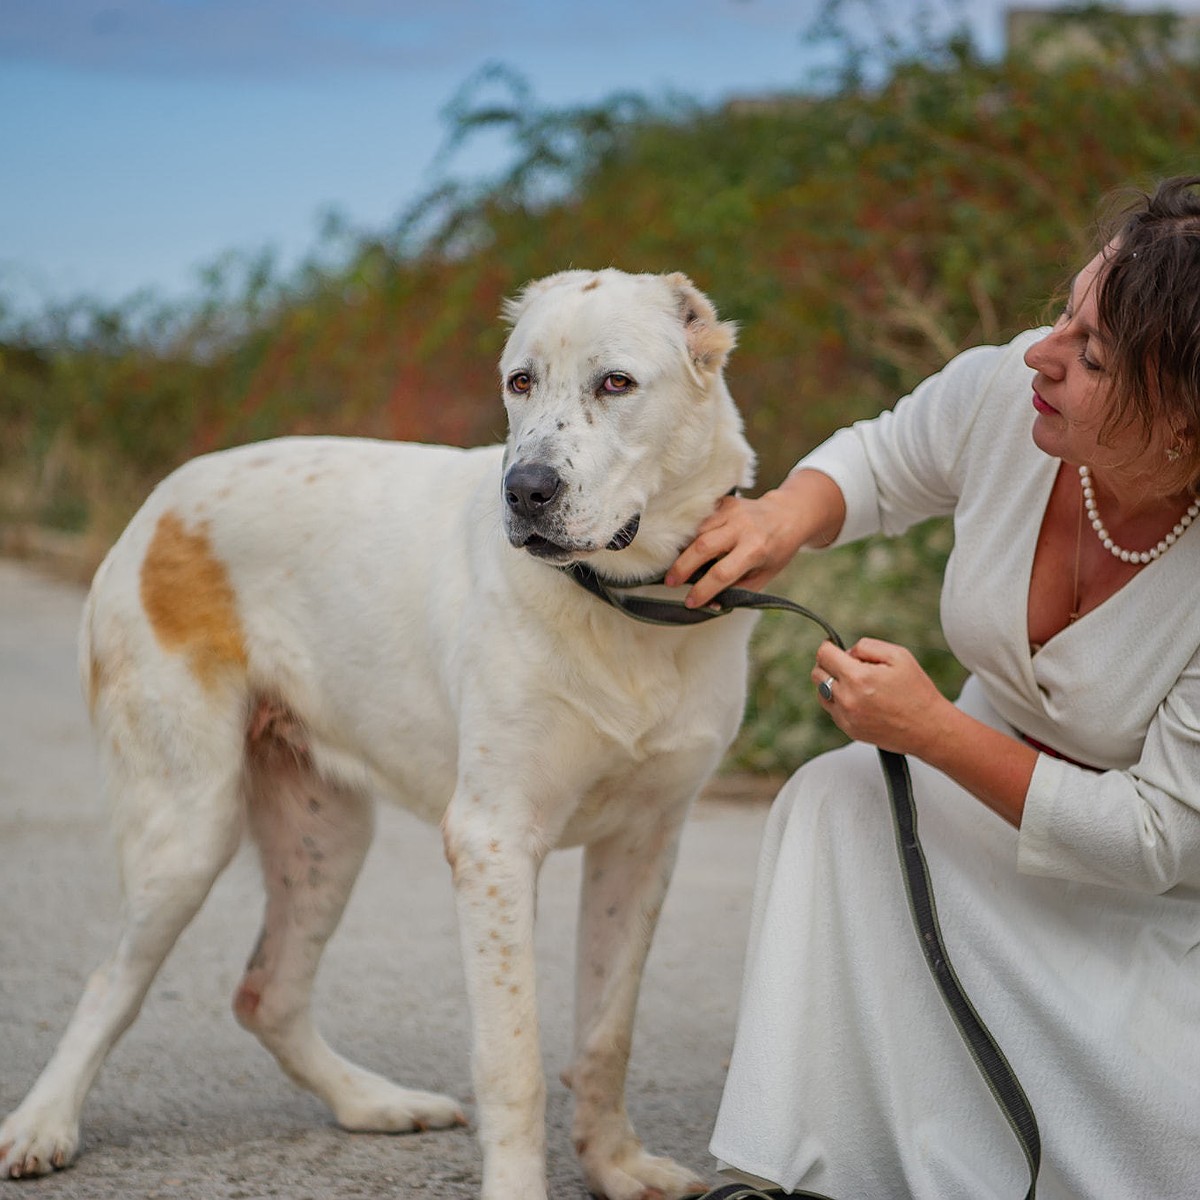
(882, 475)
(1137, 828)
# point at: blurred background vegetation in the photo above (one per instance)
(859, 236)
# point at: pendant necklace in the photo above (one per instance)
(1074, 614)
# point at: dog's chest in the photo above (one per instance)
(678, 690)
(653, 691)
(655, 766)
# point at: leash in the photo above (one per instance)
(987, 1055)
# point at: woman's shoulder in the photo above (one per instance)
(974, 380)
(989, 366)
(993, 384)
(976, 396)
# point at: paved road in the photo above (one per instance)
(190, 1106)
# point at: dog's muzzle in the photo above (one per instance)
(532, 493)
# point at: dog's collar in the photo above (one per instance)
(663, 611)
(660, 610)
(654, 610)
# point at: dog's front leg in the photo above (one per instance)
(495, 864)
(625, 879)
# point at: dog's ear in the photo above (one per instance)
(709, 340)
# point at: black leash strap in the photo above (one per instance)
(988, 1056)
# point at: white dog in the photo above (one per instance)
(290, 629)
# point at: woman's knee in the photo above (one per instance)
(840, 783)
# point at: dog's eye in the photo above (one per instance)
(616, 382)
(519, 382)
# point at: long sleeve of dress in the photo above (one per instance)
(1138, 828)
(907, 464)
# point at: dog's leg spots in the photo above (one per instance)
(494, 884)
(625, 882)
(312, 837)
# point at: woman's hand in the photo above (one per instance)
(882, 696)
(750, 541)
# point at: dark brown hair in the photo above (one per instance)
(1148, 305)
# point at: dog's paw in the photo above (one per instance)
(36, 1143)
(376, 1105)
(636, 1175)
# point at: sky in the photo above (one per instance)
(140, 140)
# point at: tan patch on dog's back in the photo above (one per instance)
(191, 605)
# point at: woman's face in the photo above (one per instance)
(1071, 391)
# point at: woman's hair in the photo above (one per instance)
(1148, 306)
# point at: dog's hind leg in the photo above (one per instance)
(178, 825)
(312, 836)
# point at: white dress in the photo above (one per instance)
(1077, 938)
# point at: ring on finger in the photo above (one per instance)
(825, 689)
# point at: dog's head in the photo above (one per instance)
(622, 435)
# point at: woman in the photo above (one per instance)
(1059, 797)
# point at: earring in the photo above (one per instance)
(1175, 453)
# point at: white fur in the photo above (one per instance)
(289, 629)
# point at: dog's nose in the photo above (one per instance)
(529, 487)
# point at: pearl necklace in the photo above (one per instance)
(1131, 556)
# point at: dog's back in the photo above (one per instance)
(309, 577)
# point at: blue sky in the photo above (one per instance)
(141, 139)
